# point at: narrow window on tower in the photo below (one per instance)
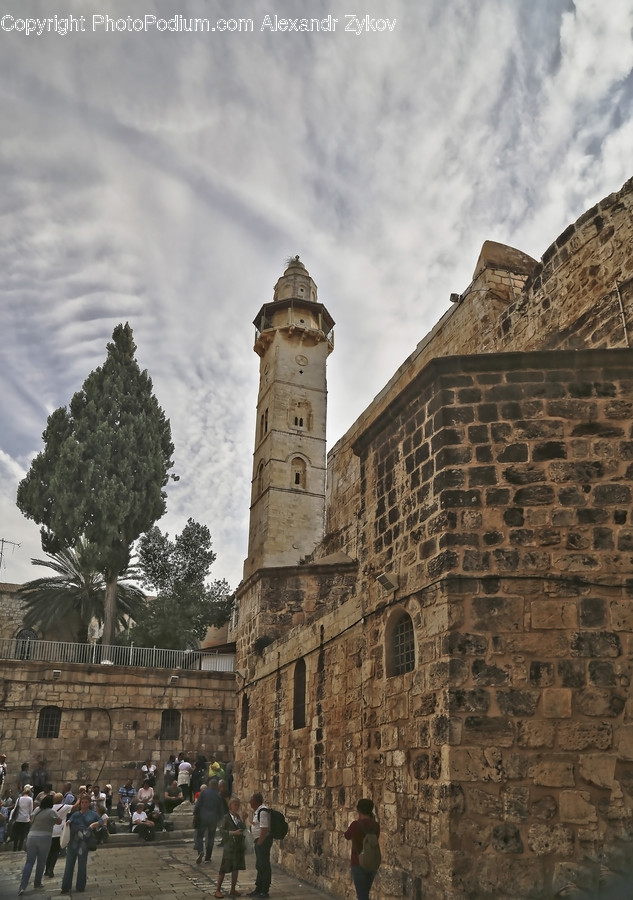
(244, 722)
(260, 479)
(299, 695)
(298, 472)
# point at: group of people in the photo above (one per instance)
(36, 822)
(36, 819)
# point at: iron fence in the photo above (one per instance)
(113, 655)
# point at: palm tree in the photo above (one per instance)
(76, 594)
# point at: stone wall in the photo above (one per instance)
(571, 299)
(12, 609)
(111, 717)
(500, 493)
(495, 489)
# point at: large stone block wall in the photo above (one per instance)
(577, 281)
(111, 717)
(274, 601)
(498, 490)
(570, 299)
(500, 494)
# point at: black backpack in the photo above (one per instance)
(278, 824)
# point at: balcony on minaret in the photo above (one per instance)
(294, 309)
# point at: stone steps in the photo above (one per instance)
(182, 832)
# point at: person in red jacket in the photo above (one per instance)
(365, 823)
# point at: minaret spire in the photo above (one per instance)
(293, 339)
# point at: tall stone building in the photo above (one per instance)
(457, 642)
(293, 340)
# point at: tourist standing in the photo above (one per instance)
(40, 778)
(262, 841)
(233, 829)
(184, 777)
(83, 825)
(24, 777)
(38, 842)
(62, 809)
(21, 817)
(365, 824)
(170, 770)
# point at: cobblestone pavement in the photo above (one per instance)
(148, 872)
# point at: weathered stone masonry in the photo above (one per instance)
(111, 717)
(502, 491)
(492, 479)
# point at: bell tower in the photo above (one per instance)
(293, 339)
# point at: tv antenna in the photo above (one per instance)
(3, 543)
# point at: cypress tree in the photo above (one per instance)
(104, 467)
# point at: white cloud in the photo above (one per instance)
(163, 179)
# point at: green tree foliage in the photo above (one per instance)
(185, 606)
(102, 472)
(75, 596)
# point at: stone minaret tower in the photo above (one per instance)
(293, 339)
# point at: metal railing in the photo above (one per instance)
(95, 654)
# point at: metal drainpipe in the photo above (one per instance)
(626, 336)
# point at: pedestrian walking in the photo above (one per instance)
(362, 875)
(207, 813)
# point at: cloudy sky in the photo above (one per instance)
(162, 177)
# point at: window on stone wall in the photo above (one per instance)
(170, 725)
(23, 642)
(298, 472)
(244, 723)
(400, 645)
(299, 415)
(50, 720)
(299, 695)
(260, 478)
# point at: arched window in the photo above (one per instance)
(244, 723)
(298, 467)
(299, 415)
(23, 642)
(50, 720)
(299, 695)
(400, 649)
(170, 725)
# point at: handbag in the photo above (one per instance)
(65, 835)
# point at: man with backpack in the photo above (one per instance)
(365, 858)
(262, 841)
